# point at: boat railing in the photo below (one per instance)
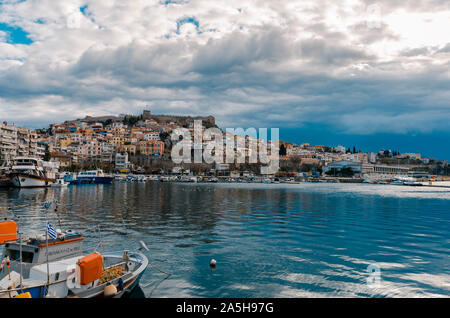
(6, 291)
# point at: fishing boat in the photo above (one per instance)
(37, 268)
(91, 276)
(36, 250)
(60, 183)
(28, 172)
(92, 177)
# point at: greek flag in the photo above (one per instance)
(51, 231)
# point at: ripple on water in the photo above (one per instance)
(299, 240)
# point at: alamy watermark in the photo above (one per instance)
(235, 145)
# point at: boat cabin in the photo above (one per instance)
(91, 174)
(34, 250)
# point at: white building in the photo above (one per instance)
(340, 165)
(121, 161)
(383, 171)
(16, 141)
(340, 149)
(154, 135)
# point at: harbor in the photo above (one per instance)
(28, 172)
(302, 240)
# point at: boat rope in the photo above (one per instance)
(159, 270)
(160, 282)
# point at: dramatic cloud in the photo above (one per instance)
(362, 67)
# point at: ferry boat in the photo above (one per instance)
(29, 173)
(92, 177)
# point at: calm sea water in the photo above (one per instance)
(276, 240)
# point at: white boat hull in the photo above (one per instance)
(29, 182)
(64, 282)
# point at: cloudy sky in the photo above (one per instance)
(362, 72)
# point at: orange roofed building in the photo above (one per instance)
(150, 147)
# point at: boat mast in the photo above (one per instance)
(47, 205)
(21, 257)
(21, 260)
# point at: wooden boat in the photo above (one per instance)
(91, 276)
(41, 267)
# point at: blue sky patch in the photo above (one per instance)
(15, 35)
(83, 9)
(167, 2)
(187, 20)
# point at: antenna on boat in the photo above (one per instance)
(20, 251)
(20, 243)
(47, 205)
(57, 214)
(100, 244)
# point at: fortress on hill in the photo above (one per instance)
(208, 121)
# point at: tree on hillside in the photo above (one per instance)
(131, 120)
(47, 156)
(282, 151)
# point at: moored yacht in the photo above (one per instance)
(28, 172)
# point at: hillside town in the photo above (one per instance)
(142, 144)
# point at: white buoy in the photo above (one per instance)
(212, 263)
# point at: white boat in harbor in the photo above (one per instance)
(141, 178)
(60, 183)
(28, 172)
(92, 177)
(91, 276)
(401, 180)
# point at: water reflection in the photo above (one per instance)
(268, 240)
